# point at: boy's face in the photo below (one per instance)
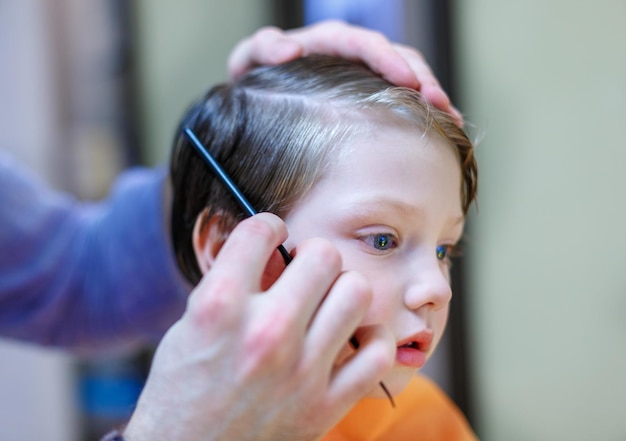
(391, 204)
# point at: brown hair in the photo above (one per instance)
(274, 131)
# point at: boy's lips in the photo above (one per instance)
(412, 351)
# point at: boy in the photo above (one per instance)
(386, 180)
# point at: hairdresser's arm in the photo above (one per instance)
(399, 64)
(245, 365)
(85, 275)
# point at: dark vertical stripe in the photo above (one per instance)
(443, 65)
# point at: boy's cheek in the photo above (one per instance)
(273, 270)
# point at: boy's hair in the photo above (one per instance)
(276, 130)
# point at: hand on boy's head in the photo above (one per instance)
(399, 64)
(250, 365)
(429, 85)
(268, 46)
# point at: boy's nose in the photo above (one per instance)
(429, 286)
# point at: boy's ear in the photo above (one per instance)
(207, 238)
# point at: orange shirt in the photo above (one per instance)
(423, 412)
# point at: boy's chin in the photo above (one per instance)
(395, 383)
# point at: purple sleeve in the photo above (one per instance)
(86, 275)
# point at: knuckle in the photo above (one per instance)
(212, 302)
(379, 364)
(266, 32)
(322, 253)
(359, 287)
(378, 37)
(382, 362)
(408, 51)
(268, 344)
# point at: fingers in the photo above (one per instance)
(270, 46)
(339, 316)
(306, 281)
(266, 47)
(253, 363)
(248, 249)
(337, 38)
(238, 269)
(429, 85)
(335, 323)
(362, 372)
(399, 64)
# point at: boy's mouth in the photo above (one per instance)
(414, 350)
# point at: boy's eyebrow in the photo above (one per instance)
(365, 207)
(370, 205)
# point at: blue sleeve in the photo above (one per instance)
(86, 275)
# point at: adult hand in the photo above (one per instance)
(399, 64)
(246, 364)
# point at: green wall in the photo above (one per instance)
(546, 83)
(182, 50)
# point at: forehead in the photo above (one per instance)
(394, 162)
(391, 144)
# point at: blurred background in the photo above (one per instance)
(536, 345)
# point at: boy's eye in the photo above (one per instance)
(381, 241)
(446, 252)
(443, 252)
